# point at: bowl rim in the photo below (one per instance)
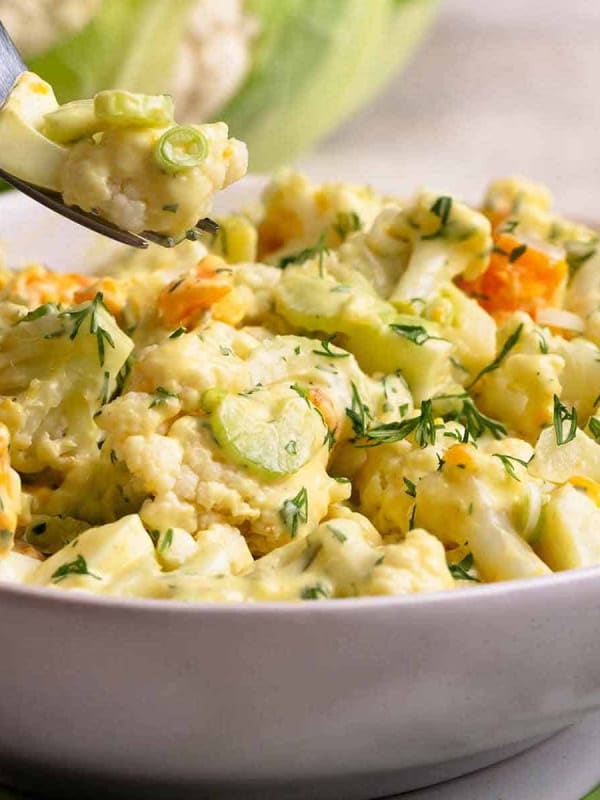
(582, 577)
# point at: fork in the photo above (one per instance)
(11, 66)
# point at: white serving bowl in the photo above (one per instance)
(338, 699)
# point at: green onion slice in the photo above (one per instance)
(116, 108)
(181, 148)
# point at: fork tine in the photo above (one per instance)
(11, 64)
(54, 202)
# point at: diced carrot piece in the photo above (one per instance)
(519, 278)
(184, 300)
(37, 285)
(112, 290)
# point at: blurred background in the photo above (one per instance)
(398, 93)
(496, 88)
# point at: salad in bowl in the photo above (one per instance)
(339, 394)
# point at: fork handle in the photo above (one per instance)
(11, 64)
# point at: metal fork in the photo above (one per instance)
(11, 66)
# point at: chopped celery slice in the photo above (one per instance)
(274, 436)
(119, 109)
(71, 121)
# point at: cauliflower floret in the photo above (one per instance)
(178, 372)
(520, 389)
(408, 251)
(297, 213)
(386, 479)
(36, 25)
(117, 175)
(56, 370)
(342, 557)
(525, 207)
(268, 512)
(484, 498)
(462, 494)
(216, 44)
(439, 238)
(506, 197)
(210, 464)
(188, 365)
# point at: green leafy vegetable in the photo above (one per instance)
(422, 425)
(313, 592)
(317, 250)
(561, 415)
(77, 567)
(477, 423)
(460, 571)
(161, 395)
(38, 312)
(327, 351)
(414, 333)
(516, 253)
(167, 541)
(337, 533)
(594, 426)
(411, 489)
(358, 413)
(294, 511)
(506, 348)
(508, 462)
(178, 332)
(346, 222)
(90, 311)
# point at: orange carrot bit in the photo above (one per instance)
(519, 278)
(322, 402)
(184, 300)
(37, 285)
(112, 290)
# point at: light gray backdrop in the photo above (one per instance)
(499, 87)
